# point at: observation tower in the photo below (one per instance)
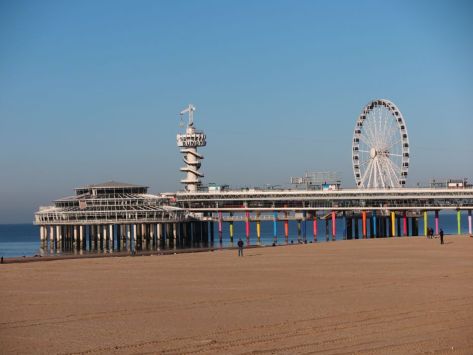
(188, 142)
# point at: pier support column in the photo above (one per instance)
(334, 225)
(58, 236)
(134, 235)
(298, 230)
(405, 229)
(275, 227)
(220, 227)
(247, 227)
(159, 233)
(110, 236)
(437, 222)
(41, 234)
(348, 228)
(469, 224)
(231, 228)
(363, 226)
(152, 235)
(286, 228)
(51, 236)
(258, 227)
(398, 224)
(393, 224)
(326, 229)
(304, 226)
(355, 221)
(314, 226)
(99, 236)
(75, 234)
(81, 236)
(174, 233)
(375, 231)
(426, 222)
(459, 222)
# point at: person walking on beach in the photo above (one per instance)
(441, 236)
(240, 247)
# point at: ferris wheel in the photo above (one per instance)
(380, 147)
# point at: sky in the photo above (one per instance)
(90, 91)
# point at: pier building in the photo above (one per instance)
(115, 216)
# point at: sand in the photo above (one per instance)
(395, 296)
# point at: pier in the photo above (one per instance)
(116, 216)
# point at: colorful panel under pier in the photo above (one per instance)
(393, 224)
(334, 225)
(315, 226)
(275, 226)
(247, 226)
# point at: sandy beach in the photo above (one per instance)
(396, 296)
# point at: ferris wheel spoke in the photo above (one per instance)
(366, 140)
(382, 173)
(393, 144)
(395, 167)
(396, 175)
(365, 162)
(375, 172)
(370, 175)
(363, 178)
(390, 171)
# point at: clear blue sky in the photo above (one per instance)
(90, 90)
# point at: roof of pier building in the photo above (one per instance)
(111, 188)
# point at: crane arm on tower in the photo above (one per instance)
(190, 110)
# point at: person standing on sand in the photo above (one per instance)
(240, 247)
(441, 236)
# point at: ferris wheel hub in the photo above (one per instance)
(373, 153)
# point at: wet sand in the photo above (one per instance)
(396, 296)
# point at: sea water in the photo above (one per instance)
(23, 239)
